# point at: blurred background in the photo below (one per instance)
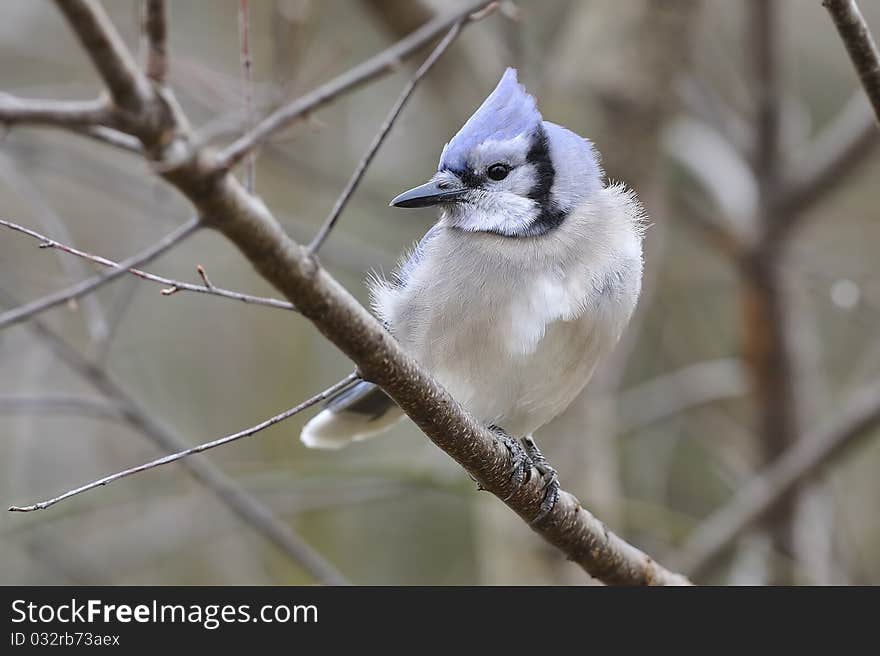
(742, 127)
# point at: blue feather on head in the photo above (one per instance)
(509, 111)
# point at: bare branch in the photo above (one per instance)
(327, 393)
(171, 286)
(244, 29)
(63, 113)
(89, 285)
(91, 118)
(859, 44)
(382, 63)
(248, 508)
(110, 137)
(59, 404)
(379, 139)
(127, 85)
(827, 162)
(155, 29)
(766, 491)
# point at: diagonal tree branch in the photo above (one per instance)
(121, 268)
(859, 44)
(367, 71)
(248, 508)
(766, 491)
(128, 87)
(89, 285)
(379, 139)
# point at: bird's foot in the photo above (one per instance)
(548, 474)
(522, 464)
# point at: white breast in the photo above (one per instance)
(514, 328)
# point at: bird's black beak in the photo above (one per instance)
(430, 193)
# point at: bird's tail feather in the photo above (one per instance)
(356, 413)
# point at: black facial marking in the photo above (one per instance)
(469, 178)
(550, 215)
(539, 156)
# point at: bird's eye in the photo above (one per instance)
(498, 171)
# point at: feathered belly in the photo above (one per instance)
(518, 391)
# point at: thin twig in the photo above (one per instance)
(88, 285)
(859, 44)
(382, 63)
(155, 29)
(766, 491)
(248, 508)
(110, 137)
(244, 29)
(379, 139)
(25, 186)
(170, 286)
(158, 462)
(102, 43)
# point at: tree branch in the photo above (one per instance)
(367, 71)
(110, 137)
(859, 44)
(379, 139)
(62, 113)
(128, 87)
(827, 161)
(171, 286)
(89, 285)
(174, 457)
(242, 504)
(766, 491)
(155, 29)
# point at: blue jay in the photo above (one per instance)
(524, 283)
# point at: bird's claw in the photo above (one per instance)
(522, 464)
(548, 474)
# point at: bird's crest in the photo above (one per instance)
(508, 112)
